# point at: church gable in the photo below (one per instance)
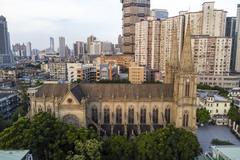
(70, 99)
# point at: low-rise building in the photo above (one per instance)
(137, 74)
(7, 75)
(217, 105)
(15, 155)
(82, 72)
(226, 152)
(58, 71)
(234, 92)
(8, 103)
(224, 81)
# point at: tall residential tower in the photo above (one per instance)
(133, 11)
(5, 51)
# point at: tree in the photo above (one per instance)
(89, 150)
(234, 114)
(118, 148)
(220, 142)
(3, 123)
(15, 137)
(47, 137)
(168, 143)
(146, 147)
(203, 115)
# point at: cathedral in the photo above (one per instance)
(127, 109)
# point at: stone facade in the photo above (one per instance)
(127, 109)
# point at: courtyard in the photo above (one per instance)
(207, 133)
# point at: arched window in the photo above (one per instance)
(185, 119)
(106, 116)
(131, 116)
(155, 116)
(119, 116)
(168, 115)
(49, 109)
(94, 114)
(40, 108)
(187, 88)
(143, 116)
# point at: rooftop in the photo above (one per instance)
(13, 154)
(232, 152)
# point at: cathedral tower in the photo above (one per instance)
(185, 86)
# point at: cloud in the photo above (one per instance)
(37, 20)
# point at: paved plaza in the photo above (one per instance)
(207, 133)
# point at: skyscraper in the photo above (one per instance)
(231, 32)
(159, 14)
(51, 44)
(90, 39)
(133, 11)
(79, 49)
(62, 45)
(5, 51)
(29, 49)
(237, 41)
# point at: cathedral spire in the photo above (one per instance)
(186, 55)
(174, 58)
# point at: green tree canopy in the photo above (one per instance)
(203, 115)
(47, 137)
(234, 114)
(118, 148)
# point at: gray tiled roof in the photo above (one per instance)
(109, 91)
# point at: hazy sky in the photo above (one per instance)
(37, 20)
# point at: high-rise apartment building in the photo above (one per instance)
(230, 27)
(133, 11)
(147, 43)
(154, 38)
(231, 32)
(237, 41)
(211, 55)
(62, 46)
(159, 14)
(120, 42)
(58, 71)
(29, 49)
(19, 50)
(95, 48)
(80, 48)
(51, 44)
(90, 39)
(5, 50)
(213, 20)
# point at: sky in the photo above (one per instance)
(37, 20)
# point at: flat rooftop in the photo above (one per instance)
(232, 152)
(13, 154)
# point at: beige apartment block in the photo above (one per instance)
(212, 54)
(154, 38)
(147, 43)
(133, 11)
(137, 74)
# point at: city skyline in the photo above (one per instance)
(36, 22)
